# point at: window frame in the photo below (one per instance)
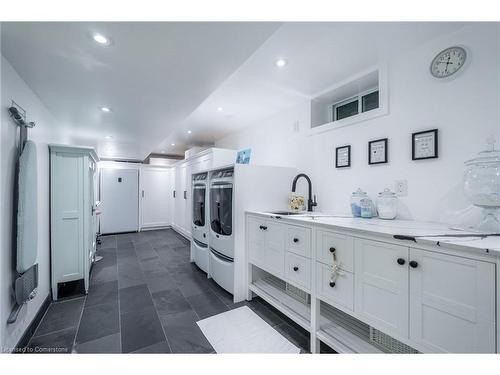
(359, 98)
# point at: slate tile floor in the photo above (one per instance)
(145, 297)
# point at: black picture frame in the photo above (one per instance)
(386, 145)
(348, 156)
(436, 143)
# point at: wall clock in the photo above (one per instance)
(448, 62)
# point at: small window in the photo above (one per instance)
(364, 102)
(344, 110)
(369, 101)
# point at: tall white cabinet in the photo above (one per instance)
(72, 216)
(156, 199)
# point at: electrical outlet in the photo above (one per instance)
(401, 188)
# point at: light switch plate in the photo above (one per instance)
(401, 188)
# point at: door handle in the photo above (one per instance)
(185, 194)
(295, 268)
(143, 193)
(413, 264)
(174, 193)
(401, 261)
(295, 240)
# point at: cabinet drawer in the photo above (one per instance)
(343, 245)
(298, 240)
(298, 270)
(342, 293)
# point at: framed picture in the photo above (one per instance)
(243, 156)
(424, 145)
(377, 151)
(343, 156)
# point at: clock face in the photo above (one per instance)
(448, 62)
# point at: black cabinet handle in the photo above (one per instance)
(332, 284)
(332, 249)
(401, 261)
(174, 193)
(295, 240)
(295, 268)
(413, 264)
(263, 227)
(185, 194)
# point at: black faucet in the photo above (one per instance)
(310, 202)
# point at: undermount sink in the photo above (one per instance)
(285, 213)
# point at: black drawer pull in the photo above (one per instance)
(263, 227)
(295, 240)
(332, 284)
(413, 264)
(332, 249)
(295, 268)
(401, 261)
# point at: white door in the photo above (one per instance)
(119, 196)
(381, 286)
(155, 197)
(452, 303)
(188, 201)
(179, 196)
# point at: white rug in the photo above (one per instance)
(242, 331)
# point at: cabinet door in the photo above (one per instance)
(381, 286)
(155, 197)
(275, 247)
(452, 303)
(188, 209)
(256, 240)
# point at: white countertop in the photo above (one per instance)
(421, 231)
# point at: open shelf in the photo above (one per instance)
(344, 333)
(271, 292)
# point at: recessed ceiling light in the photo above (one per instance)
(109, 137)
(189, 131)
(106, 109)
(173, 144)
(280, 63)
(101, 39)
(220, 109)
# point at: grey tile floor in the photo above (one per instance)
(145, 297)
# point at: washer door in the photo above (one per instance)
(221, 208)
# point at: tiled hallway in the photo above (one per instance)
(145, 297)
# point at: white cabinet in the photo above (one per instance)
(381, 285)
(435, 300)
(452, 303)
(156, 198)
(72, 214)
(266, 241)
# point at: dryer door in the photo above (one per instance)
(221, 208)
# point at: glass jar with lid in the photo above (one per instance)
(356, 198)
(387, 205)
(482, 186)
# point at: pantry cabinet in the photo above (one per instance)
(430, 299)
(72, 214)
(156, 199)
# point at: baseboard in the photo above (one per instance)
(24, 340)
(146, 229)
(179, 231)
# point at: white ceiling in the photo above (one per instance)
(163, 79)
(318, 54)
(152, 76)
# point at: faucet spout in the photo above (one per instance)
(310, 202)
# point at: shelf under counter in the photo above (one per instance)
(297, 311)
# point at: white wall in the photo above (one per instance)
(465, 110)
(13, 87)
